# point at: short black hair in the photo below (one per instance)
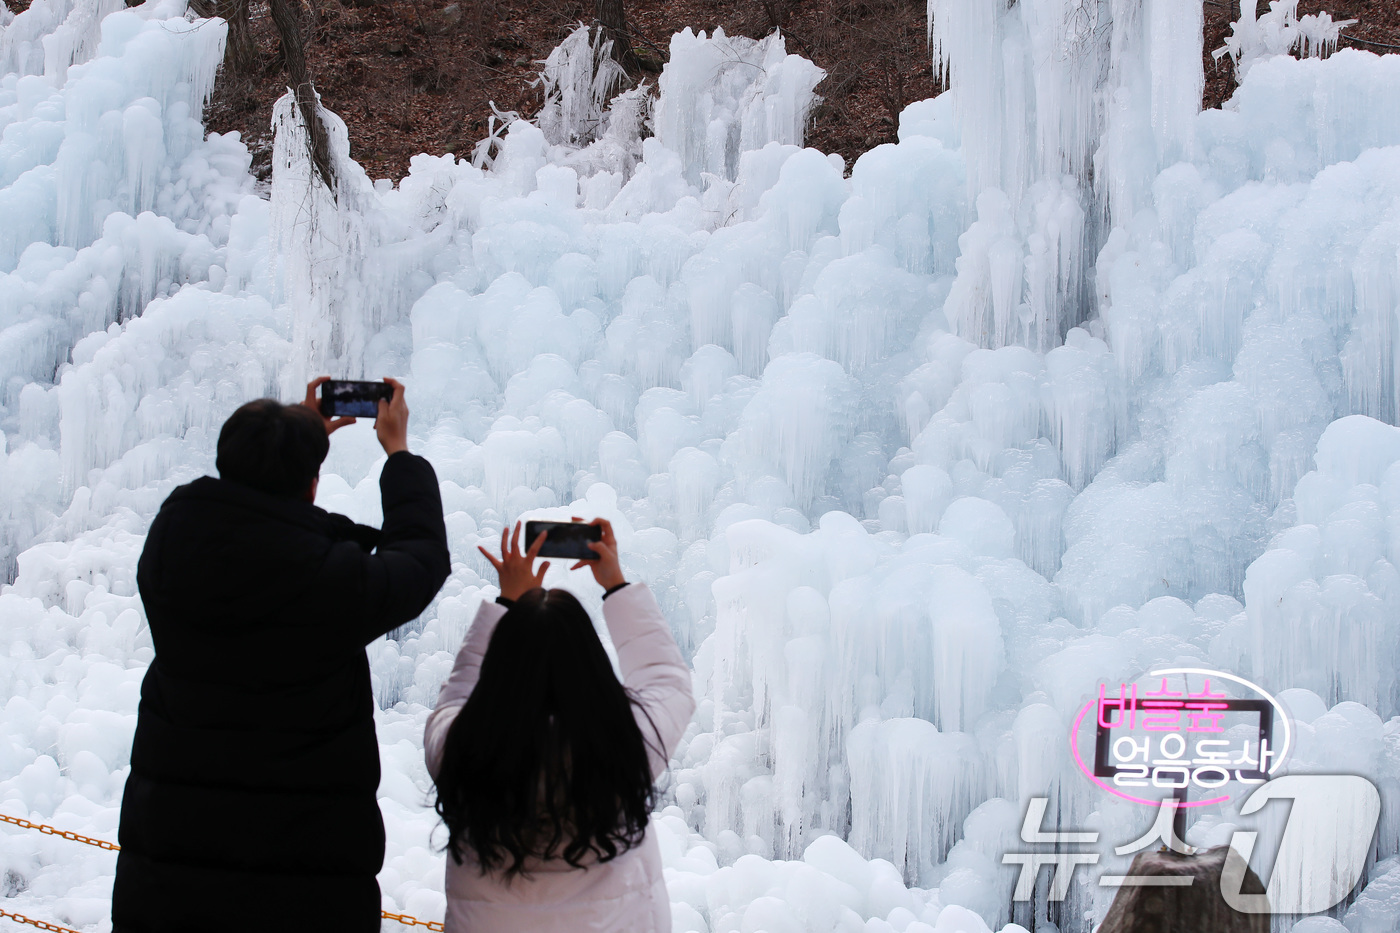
(272, 447)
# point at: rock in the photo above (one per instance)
(444, 22)
(1196, 908)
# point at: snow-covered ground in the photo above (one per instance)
(902, 514)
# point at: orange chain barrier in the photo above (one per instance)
(63, 833)
(21, 918)
(412, 921)
(113, 847)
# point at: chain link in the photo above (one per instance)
(62, 833)
(113, 847)
(401, 918)
(413, 921)
(21, 918)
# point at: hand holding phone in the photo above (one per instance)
(603, 561)
(343, 400)
(391, 419)
(315, 404)
(353, 398)
(564, 539)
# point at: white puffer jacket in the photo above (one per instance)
(628, 893)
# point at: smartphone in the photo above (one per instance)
(341, 398)
(566, 539)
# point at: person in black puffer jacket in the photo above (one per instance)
(251, 802)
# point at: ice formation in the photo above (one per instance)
(722, 96)
(1071, 382)
(578, 79)
(1277, 32)
(1066, 109)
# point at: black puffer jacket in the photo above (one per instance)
(251, 800)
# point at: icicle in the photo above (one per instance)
(911, 788)
(723, 95)
(798, 419)
(1279, 31)
(578, 77)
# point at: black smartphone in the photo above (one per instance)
(566, 539)
(342, 398)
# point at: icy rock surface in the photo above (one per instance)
(1071, 382)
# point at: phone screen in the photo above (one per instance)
(341, 398)
(565, 539)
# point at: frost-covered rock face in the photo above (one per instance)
(903, 516)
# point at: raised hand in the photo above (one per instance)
(392, 422)
(606, 569)
(515, 569)
(314, 403)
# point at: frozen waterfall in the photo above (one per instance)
(1072, 382)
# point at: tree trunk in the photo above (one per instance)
(240, 52)
(612, 17)
(1195, 908)
(288, 22)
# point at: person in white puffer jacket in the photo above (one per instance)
(544, 762)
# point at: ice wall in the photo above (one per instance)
(1319, 597)
(112, 198)
(50, 36)
(1067, 109)
(901, 547)
(1258, 328)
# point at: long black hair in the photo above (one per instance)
(545, 760)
